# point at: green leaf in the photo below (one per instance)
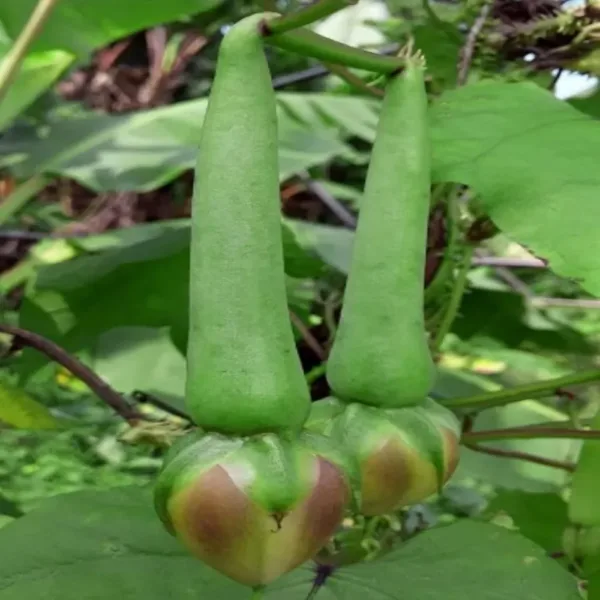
(8, 508)
(540, 517)
(142, 358)
(80, 26)
(101, 545)
(146, 149)
(136, 279)
(141, 285)
(465, 560)
(441, 43)
(507, 318)
(20, 410)
(37, 73)
(332, 244)
(589, 105)
(593, 589)
(532, 159)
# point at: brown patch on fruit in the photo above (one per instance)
(386, 477)
(214, 511)
(325, 506)
(451, 452)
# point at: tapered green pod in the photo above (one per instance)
(380, 356)
(244, 375)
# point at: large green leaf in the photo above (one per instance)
(441, 43)
(467, 560)
(593, 591)
(142, 358)
(38, 72)
(530, 157)
(540, 517)
(532, 160)
(18, 409)
(8, 508)
(80, 26)
(332, 244)
(143, 150)
(101, 545)
(97, 546)
(506, 318)
(589, 105)
(133, 291)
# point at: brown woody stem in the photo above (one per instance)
(104, 391)
(530, 433)
(514, 454)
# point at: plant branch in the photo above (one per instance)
(583, 303)
(522, 392)
(355, 80)
(308, 43)
(332, 203)
(144, 398)
(500, 265)
(468, 50)
(310, 74)
(9, 67)
(531, 433)
(54, 352)
(314, 12)
(453, 307)
(516, 263)
(514, 454)
(309, 338)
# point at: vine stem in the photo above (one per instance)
(104, 391)
(522, 392)
(355, 80)
(458, 291)
(530, 433)
(314, 12)
(9, 67)
(309, 43)
(514, 454)
(468, 50)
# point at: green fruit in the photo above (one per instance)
(380, 356)
(244, 375)
(253, 508)
(402, 455)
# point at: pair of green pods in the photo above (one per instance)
(268, 480)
